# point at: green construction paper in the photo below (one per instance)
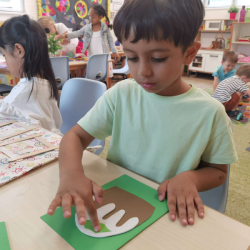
(89, 226)
(4, 240)
(68, 230)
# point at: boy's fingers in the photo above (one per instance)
(90, 206)
(172, 206)
(54, 204)
(66, 205)
(182, 210)
(98, 192)
(190, 210)
(200, 206)
(80, 209)
(162, 189)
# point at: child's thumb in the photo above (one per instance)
(162, 189)
(98, 192)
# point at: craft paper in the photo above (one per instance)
(4, 240)
(104, 20)
(63, 5)
(124, 212)
(70, 18)
(49, 12)
(45, 2)
(84, 22)
(96, 1)
(81, 9)
(108, 226)
(68, 230)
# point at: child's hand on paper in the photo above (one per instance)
(76, 189)
(182, 195)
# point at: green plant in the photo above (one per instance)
(53, 44)
(233, 9)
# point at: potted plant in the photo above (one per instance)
(233, 10)
(54, 44)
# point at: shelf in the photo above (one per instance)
(215, 31)
(243, 43)
(241, 23)
(219, 20)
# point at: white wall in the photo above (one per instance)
(218, 14)
(30, 8)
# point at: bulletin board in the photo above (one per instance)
(65, 11)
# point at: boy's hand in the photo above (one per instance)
(182, 195)
(76, 189)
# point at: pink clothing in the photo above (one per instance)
(79, 48)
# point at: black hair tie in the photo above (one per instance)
(26, 21)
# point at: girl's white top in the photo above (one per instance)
(36, 107)
(95, 46)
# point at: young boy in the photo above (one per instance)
(226, 70)
(162, 128)
(230, 91)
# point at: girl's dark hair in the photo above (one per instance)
(32, 37)
(101, 12)
(177, 21)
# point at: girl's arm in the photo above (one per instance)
(76, 34)
(111, 42)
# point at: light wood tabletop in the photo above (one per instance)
(24, 200)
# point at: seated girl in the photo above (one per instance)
(23, 43)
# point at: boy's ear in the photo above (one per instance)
(19, 51)
(191, 52)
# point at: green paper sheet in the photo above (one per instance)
(68, 230)
(4, 240)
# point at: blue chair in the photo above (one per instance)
(123, 71)
(60, 67)
(78, 96)
(216, 198)
(97, 67)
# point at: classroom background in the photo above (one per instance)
(232, 34)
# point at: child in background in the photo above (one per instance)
(80, 42)
(148, 117)
(58, 28)
(23, 43)
(230, 91)
(97, 36)
(226, 70)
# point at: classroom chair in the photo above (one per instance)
(4, 89)
(60, 67)
(123, 71)
(97, 67)
(78, 96)
(216, 198)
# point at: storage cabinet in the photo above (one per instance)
(212, 62)
(206, 61)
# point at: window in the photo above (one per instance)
(12, 5)
(243, 2)
(219, 3)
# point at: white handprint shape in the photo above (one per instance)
(110, 223)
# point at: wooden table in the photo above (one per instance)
(24, 200)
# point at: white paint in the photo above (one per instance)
(110, 223)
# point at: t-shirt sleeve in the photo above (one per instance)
(99, 120)
(243, 87)
(220, 148)
(61, 28)
(216, 72)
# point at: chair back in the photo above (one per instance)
(60, 67)
(97, 67)
(124, 70)
(78, 96)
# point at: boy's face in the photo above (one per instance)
(228, 66)
(158, 65)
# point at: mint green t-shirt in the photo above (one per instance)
(159, 137)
